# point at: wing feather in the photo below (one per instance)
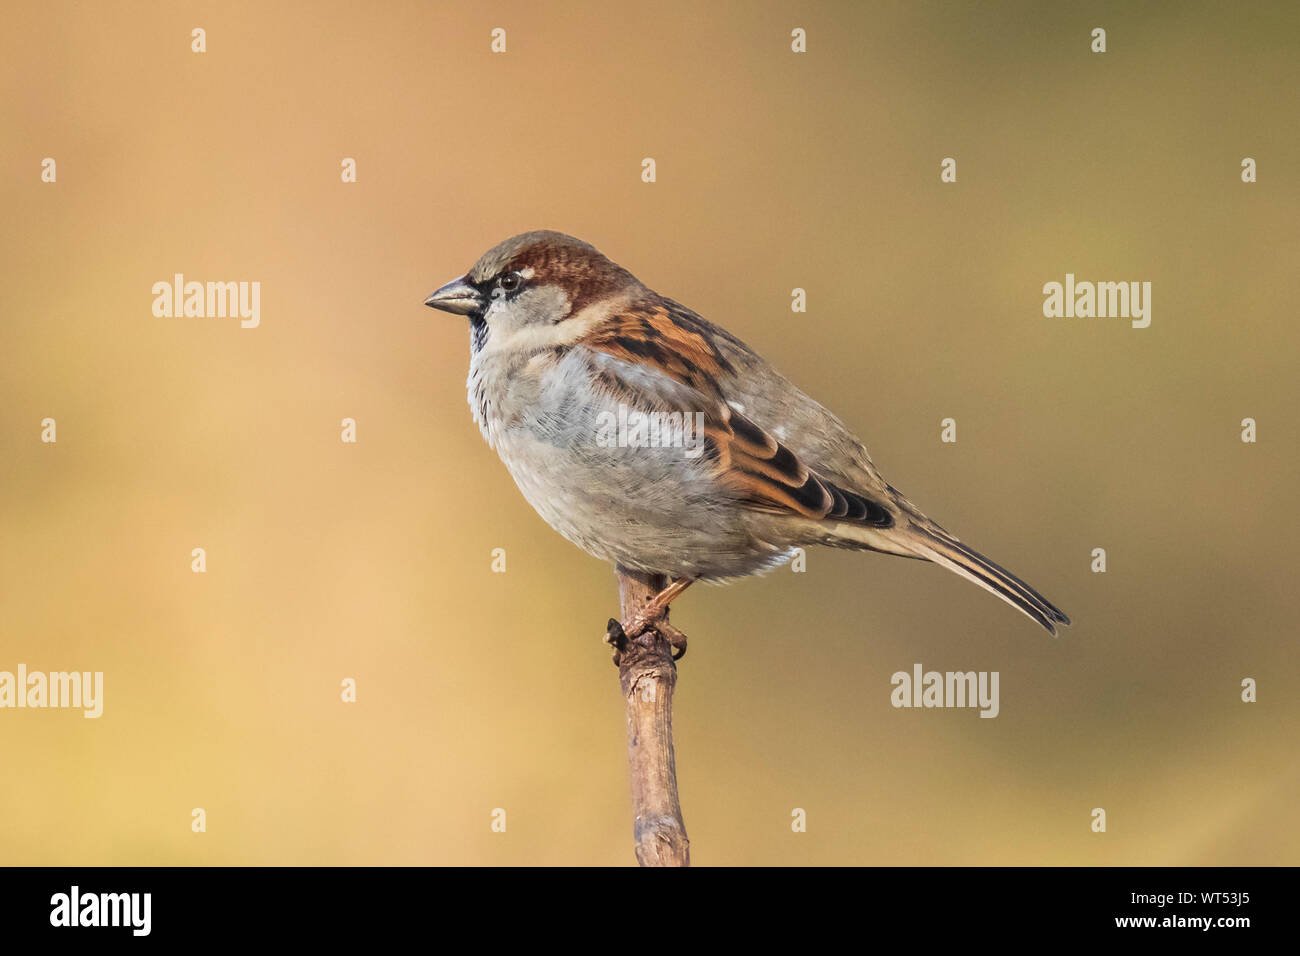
(653, 360)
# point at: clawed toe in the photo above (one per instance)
(616, 637)
(674, 637)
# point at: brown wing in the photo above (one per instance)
(770, 477)
(655, 356)
(668, 338)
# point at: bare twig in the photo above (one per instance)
(647, 675)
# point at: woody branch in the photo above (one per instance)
(648, 676)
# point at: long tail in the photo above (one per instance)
(932, 542)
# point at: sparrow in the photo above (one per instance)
(728, 466)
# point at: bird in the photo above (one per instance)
(656, 440)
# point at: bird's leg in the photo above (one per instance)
(653, 616)
(657, 606)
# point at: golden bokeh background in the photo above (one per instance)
(479, 690)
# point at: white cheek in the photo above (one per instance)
(528, 321)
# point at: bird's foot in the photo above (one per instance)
(650, 619)
(619, 635)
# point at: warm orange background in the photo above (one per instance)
(775, 170)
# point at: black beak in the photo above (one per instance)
(457, 297)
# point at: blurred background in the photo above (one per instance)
(775, 170)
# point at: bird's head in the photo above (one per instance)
(531, 282)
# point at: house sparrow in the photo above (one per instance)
(567, 347)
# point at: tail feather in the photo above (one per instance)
(943, 549)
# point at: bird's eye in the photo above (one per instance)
(510, 281)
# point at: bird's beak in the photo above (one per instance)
(458, 297)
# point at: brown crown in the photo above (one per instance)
(577, 267)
